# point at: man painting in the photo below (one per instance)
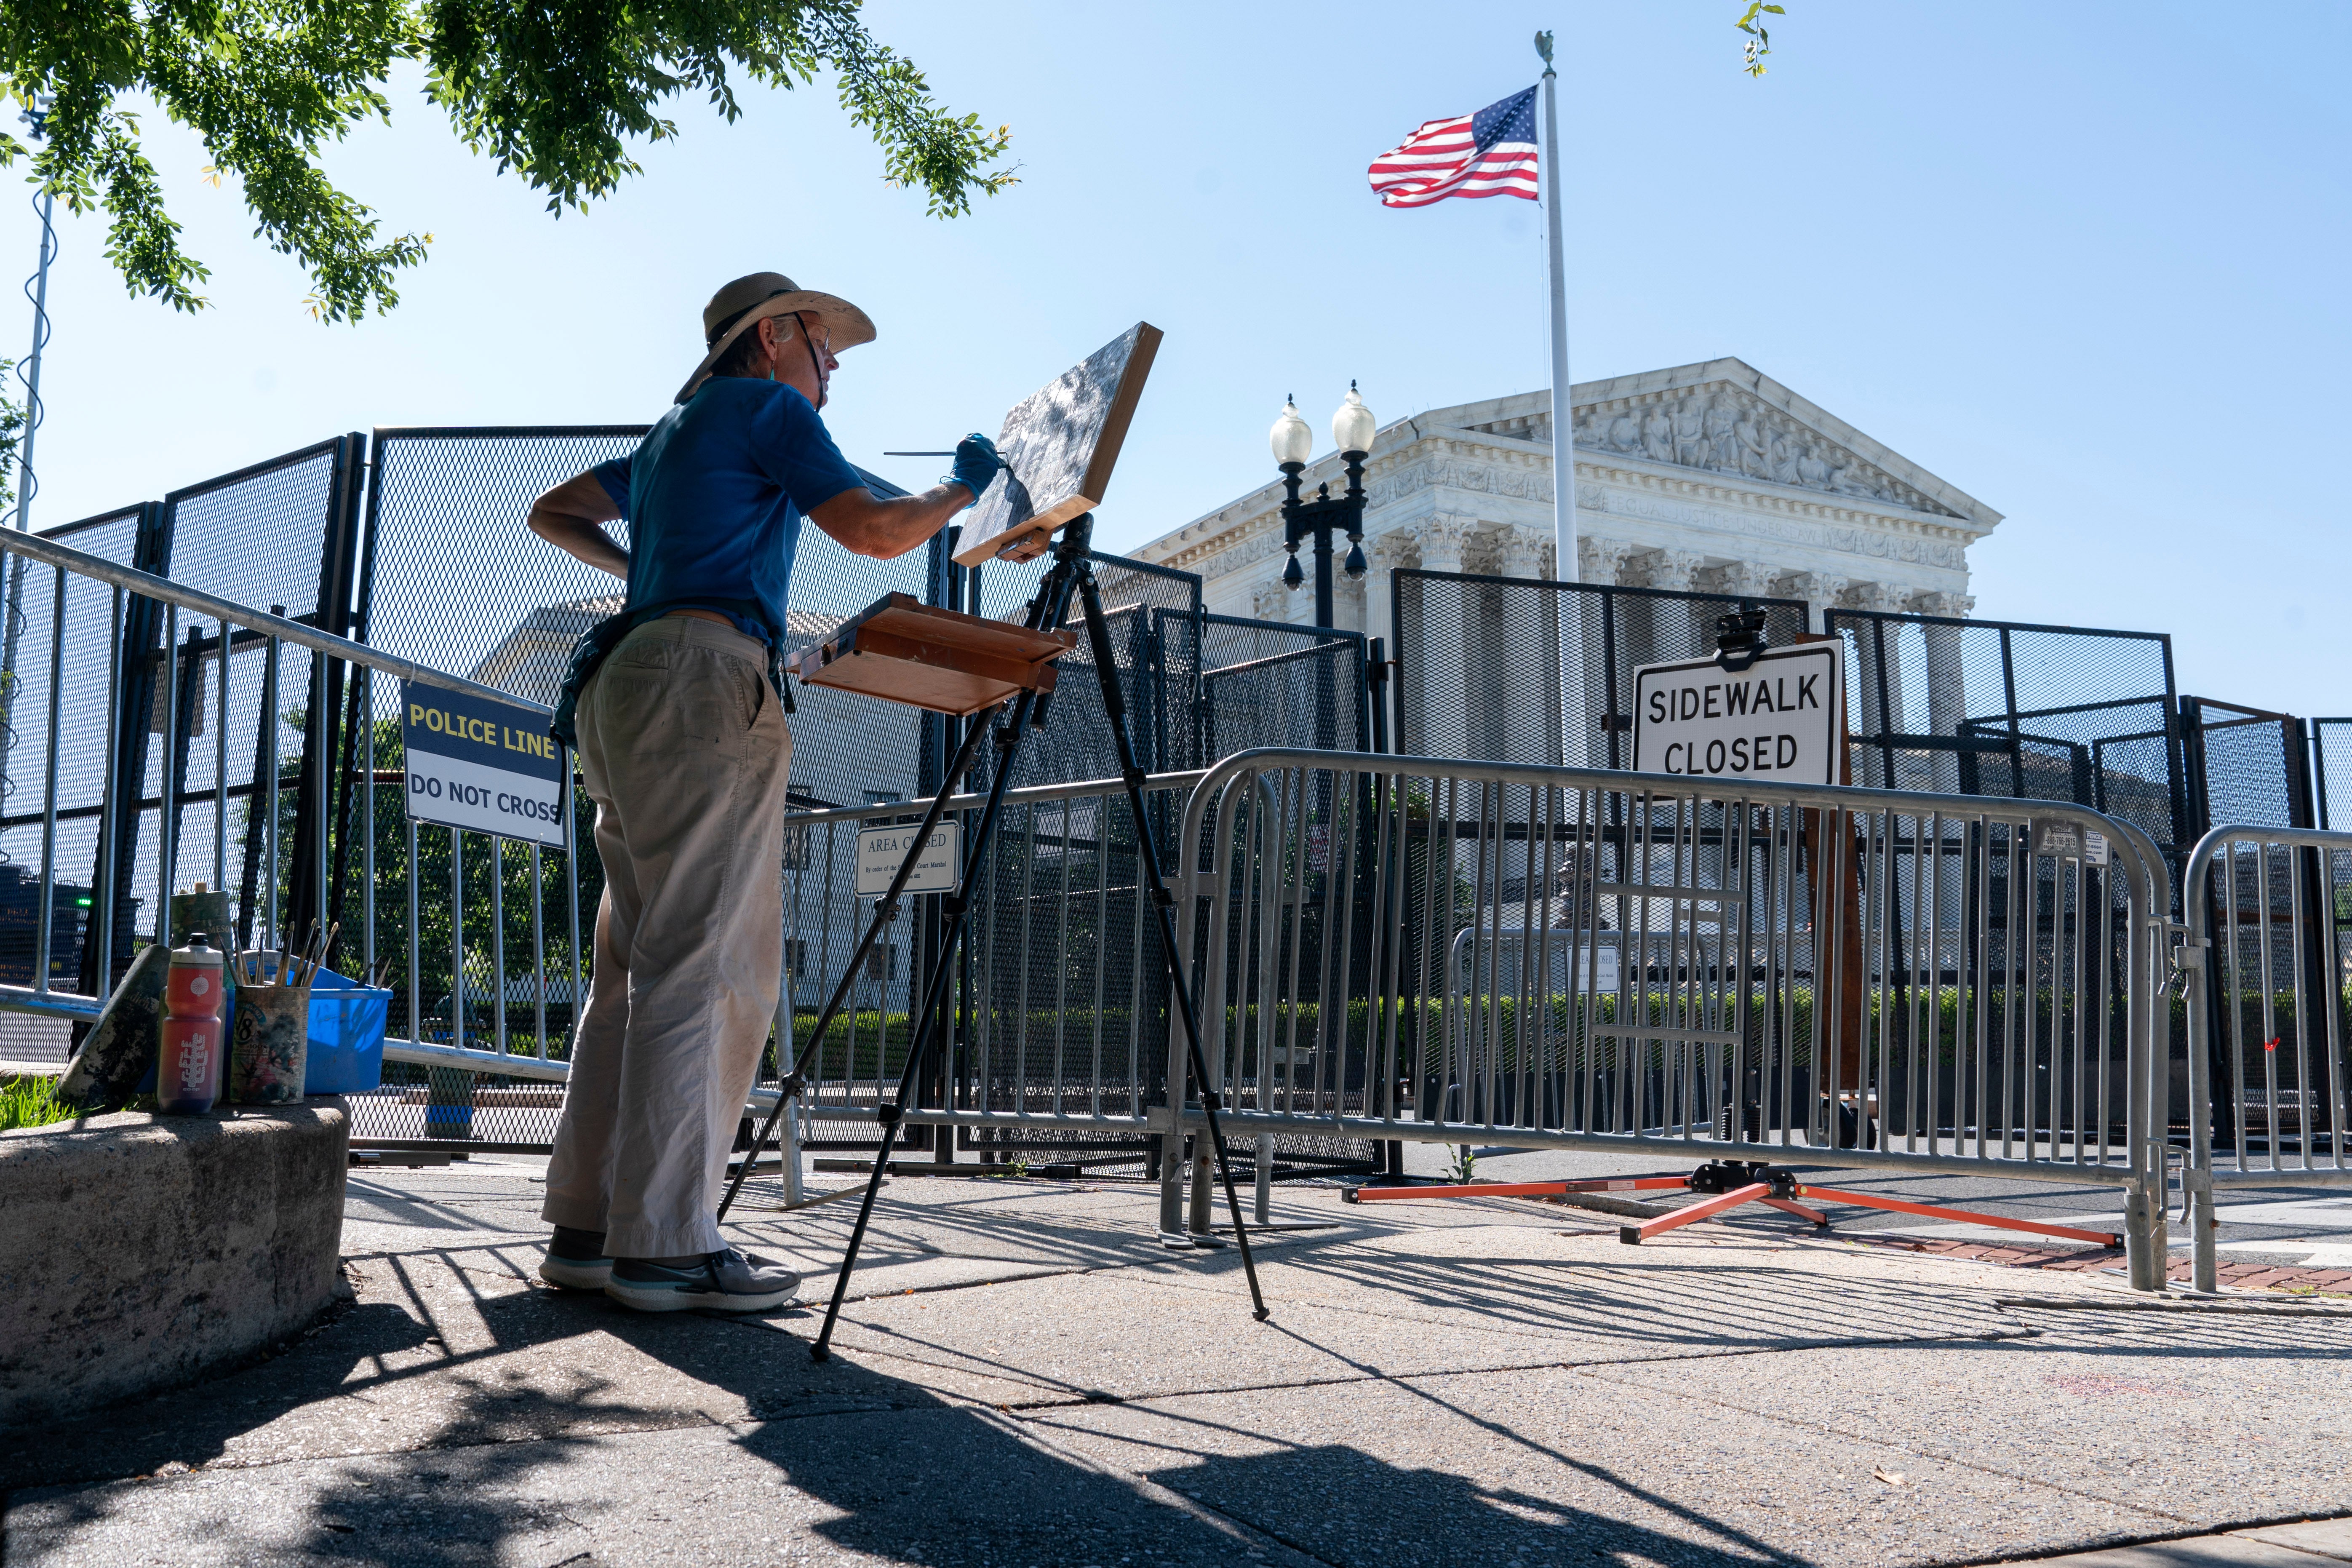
(677, 702)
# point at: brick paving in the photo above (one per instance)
(2091, 1260)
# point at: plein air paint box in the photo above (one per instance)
(902, 650)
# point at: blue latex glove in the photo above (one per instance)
(976, 463)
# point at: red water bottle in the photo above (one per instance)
(188, 1070)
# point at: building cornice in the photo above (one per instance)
(1512, 470)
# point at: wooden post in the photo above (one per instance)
(1838, 850)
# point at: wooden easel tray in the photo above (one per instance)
(902, 650)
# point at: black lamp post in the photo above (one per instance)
(1294, 443)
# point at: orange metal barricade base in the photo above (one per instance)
(1730, 1184)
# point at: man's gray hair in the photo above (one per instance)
(744, 352)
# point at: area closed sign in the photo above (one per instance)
(882, 850)
(485, 767)
(1781, 718)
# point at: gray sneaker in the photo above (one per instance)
(727, 1281)
(575, 1260)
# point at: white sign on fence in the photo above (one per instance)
(2067, 840)
(881, 850)
(1781, 718)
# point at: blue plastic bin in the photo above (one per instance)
(347, 1022)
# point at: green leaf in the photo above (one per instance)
(559, 94)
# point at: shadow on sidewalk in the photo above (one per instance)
(475, 1416)
(455, 1459)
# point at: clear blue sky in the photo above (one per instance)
(2084, 261)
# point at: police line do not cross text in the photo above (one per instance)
(485, 766)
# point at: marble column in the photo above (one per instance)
(1820, 590)
(1387, 552)
(1600, 561)
(1655, 631)
(1946, 692)
(1520, 553)
(1878, 686)
(1443, 685)
(1350, 600)
(1529, 665)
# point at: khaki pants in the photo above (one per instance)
(684, 750)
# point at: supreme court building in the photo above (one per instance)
(1711, 477)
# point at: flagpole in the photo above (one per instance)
(1563, 417)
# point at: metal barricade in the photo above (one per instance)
(1829, 976)
(1060, 994)
(2269, 956)
(236, 670)
(1061, 998)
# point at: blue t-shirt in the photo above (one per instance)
(714, 498)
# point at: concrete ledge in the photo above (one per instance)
(137, 1250)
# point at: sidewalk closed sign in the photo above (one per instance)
(1777, 719)
(488, 767)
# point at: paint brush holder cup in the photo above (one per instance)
(271, 1050)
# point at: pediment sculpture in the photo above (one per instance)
(1721, 429)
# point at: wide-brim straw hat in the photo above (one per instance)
(735, 308)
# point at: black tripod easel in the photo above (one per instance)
(1073, 570)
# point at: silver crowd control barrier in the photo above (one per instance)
(1826, 976)
(484, 938)
(481, 935)
(2269, 957)
(1059, 991)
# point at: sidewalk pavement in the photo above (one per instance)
(1025, 1379)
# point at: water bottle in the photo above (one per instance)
(188, 1069)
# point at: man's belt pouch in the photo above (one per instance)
(595, 645)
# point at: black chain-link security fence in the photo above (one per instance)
(277, 536)
(1267, 683)
(1480, 662)
(2245, 764)
(90, 640)
(1198, 688)
(282, 533)
(481, 949)
(482, 942)
(2281, 915)
(2029, 712)
(2331, 769)
(1156, 672)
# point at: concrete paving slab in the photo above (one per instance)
(1451, 1300)
(2321, 1537)
(2198, 1551)
(944, 1487)
(459, 1348)
(2212, 1419)
(1531, 1468)
(1491, 1381)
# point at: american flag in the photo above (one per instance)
(1490, 153)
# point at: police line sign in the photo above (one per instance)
(1781, 718)
(488, 767)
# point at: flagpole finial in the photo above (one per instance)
(1543, 47)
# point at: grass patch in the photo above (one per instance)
(32, 1102)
